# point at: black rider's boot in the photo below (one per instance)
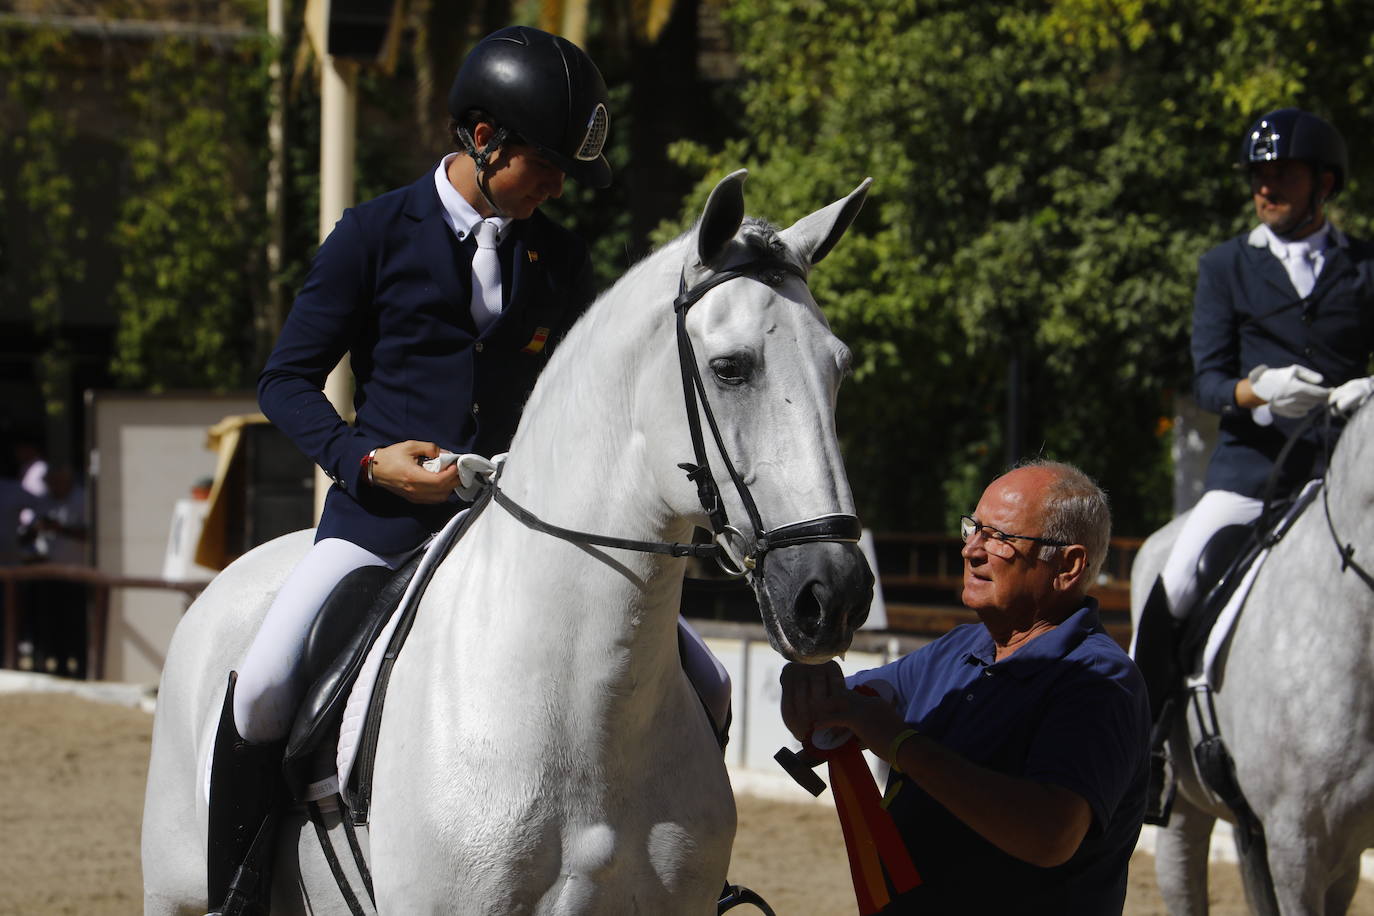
(1156, 655)
(245, 781)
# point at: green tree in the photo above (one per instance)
(39, 278)
(192, 226)
(1047, 175)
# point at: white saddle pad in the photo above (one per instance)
(360, 697)
(1226, 621)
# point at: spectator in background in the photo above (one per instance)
(13, 500)
(32, 472)
(60, 518)
(56, 608)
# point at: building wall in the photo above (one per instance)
(147, 452)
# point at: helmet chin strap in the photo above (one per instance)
(482, 160)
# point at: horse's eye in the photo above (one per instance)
(731, 370)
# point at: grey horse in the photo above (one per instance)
(1294, 698)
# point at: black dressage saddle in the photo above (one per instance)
(348, 623)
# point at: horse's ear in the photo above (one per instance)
(813, 236)
(721, 218)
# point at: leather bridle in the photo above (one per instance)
(1324, 417)
(736, 553)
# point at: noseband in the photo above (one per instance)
(736, 553)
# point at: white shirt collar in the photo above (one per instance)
(1325, 237)
(458, 213)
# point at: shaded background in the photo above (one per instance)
(1019, 282)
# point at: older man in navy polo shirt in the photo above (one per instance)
(1020, 743)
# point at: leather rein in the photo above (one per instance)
(735, 552)
(1346, 549)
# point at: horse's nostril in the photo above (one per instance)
(809, 609)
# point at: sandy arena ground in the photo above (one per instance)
(71, 796)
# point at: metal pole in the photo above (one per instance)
(338, 130)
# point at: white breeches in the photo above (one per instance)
(268, 689)
(1214, 511)
(268, 692)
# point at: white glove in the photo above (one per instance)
(474, 471)
(1291, 391)
(1346, 399)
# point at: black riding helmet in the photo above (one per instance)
(543, 89)
(1291, 133)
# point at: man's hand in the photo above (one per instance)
(397, 468)
(1291, 391)
(1038, 823)
(814, 696)
(1348, 398)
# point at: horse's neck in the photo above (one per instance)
(579, 457)
(1351, 474)
(579, 461)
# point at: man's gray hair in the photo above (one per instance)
(1076, 512)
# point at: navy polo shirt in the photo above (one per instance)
(1068, 708)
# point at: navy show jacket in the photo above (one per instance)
(1247, 313)
(391, 286)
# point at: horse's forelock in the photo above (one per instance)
(763, 240)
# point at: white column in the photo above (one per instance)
(338, 131)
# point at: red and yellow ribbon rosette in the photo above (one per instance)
(871, 838)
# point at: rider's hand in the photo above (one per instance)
(474, 471)
(397, 468)
(1348, 398)
(1291, 391)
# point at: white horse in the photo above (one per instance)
(1294, 697)
(541, 749)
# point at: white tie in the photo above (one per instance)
(486, 276)
(1300, 269)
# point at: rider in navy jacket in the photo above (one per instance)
(1246, 313)
(1283, 325)
(440, 364)
(391, 286)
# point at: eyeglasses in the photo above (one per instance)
(969, 528)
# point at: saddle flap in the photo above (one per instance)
(1219, 553)
(343, 632)
(1219, 570)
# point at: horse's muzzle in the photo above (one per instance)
(813, 597)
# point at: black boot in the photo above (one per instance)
(245, 781)
(1156, 655)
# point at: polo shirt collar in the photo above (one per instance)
(1043, 650)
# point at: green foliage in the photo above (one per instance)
(171, 129)
(191, 230)
(1047, 175)
(602, 216)
(43, 193)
